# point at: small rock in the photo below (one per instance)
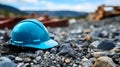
(98, 54)
(38, 58)
(31, 55)
(66, 49)
(106, 45)
(92, 60)
(12, 57)
(18, 59)
(53, 50)
(88, 38)
(86, 63)
(104, 62)
(96, 33)
(104, 33)
(35, 62)
(6, 62)
(117, 38)
(95, 44)
(47, 53)
(67, 60)
(95, 25)
(75, 65)
(77, 61)
(87, 30)
(27, 65)
(79, 31)
(52, 36)
(116, 49)
(74, 45)
(39, 52)
(116, 58)
(20, 65)
(63, 59)
(35, 65)
(27, 59)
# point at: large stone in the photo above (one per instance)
(6, 62)
(104, 62)
(66, 49)
(106, 45)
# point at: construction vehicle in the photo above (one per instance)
(101, 13)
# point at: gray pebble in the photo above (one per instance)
(18, 59)
(27, 65)
(39, 52)
(20, 65)
(53, 50)
(38, 58)
(34, 61)
(66, 48)
(27, 59)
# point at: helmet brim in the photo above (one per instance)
(44, 45)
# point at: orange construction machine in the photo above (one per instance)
(103, 12)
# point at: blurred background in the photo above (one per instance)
(55, 10)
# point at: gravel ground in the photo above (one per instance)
(82, 44)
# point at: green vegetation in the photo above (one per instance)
(6, 13)
(9, 11)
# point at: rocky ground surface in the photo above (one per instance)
(82, 44)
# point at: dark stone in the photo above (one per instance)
(116, 58)
(96, 25)
(6, 37)
(66, 49)
(96, 33)
(53, 50)
(12, 57)
(52, 36)
(106, 45)
(77, 61)
(117, 38)
(116, 33)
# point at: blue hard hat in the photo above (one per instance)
(31, 33)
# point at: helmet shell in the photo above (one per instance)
(31, 33)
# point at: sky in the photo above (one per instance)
(56, 5)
